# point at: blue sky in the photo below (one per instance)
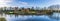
(28, 3)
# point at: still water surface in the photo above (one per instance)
(54, 17)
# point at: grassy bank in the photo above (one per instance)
(2, 19)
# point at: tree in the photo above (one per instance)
(54, 7)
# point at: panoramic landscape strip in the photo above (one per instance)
(30, 11)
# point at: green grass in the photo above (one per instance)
(2, 19)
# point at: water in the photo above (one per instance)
(54, 17)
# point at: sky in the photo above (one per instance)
(28, 3)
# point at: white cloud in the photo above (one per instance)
(8, 3)
(19, 4)
(54, 2)
(4, 2)
(24, 3)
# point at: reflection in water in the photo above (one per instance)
(54, 17)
